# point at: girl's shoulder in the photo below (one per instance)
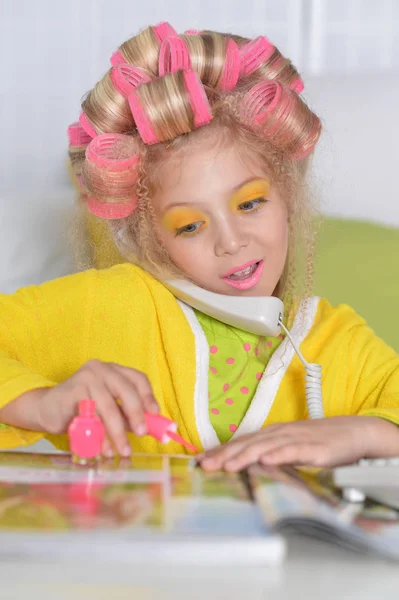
(120, 284)
(341, 326)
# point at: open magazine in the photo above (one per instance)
(153, 508)
(306, 501)
(165, 509)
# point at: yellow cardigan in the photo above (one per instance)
(124, 315)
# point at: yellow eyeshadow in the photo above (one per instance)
(259, 188)
(176, 218)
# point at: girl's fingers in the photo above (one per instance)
(107, 449)
(142, 386)
(112, 418)
(215, 458)
(299, 453)
(124, 389)
(251, 454)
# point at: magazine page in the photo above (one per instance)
(146, 498)
(307, 501)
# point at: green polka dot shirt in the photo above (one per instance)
(236, 365)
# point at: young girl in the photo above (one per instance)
(194, 150)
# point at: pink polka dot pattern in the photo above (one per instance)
(213, 370)
(213, 349)
(230, 361)
(244, 390)
(214, 411)
(258, 376)
(247, 347)
(232, 428)
(229, 401)
(280, 337)
(226, 387)
(256, 351)
(269, 344)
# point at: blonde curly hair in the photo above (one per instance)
(283, 141)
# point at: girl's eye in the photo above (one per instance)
(190, 229)
(251, 205)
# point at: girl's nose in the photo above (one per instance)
(230, 240)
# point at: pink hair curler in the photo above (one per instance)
(117, 58)
(164, 30)
(77, 136)
(126, 78)
(192, 32)
(141, 120)
(261, 100)
(254, 53)
(231, 69)
(87, 126)
(163, 429)
(269, 104)
(297, 85)
(111, 210)
(198, 99)
(103, 151)
(173, 56)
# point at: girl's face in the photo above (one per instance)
(222, 222)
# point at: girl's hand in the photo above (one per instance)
(320, 443)
(105, 383)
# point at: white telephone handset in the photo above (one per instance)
(256, 314)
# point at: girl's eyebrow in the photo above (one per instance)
(232, 191)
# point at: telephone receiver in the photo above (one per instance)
(261, 315)
(255, 314)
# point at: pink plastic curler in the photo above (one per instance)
(126, 78)
(143, 123)
(164, 30)
(87, 126)
(198, 99)
(117, 58)
(297, 85)
(77, 136)
(254, 53)
(231, 69)
(192, 32)
(163, 429)
(173, 56)
(101, 151)
(261, 100)
(111, 211)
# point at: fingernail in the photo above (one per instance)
(126, 451)
(109, 453)
(141, 429)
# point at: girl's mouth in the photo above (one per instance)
(245, 278)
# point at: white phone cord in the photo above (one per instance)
(314, 396)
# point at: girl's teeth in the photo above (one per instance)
(244, 273)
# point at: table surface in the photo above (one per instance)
(312, 570)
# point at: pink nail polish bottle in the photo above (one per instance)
(86, 434)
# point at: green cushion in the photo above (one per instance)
(358, 264)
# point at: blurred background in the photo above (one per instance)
(52, 52)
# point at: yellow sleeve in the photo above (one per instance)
(42, 341)
(374, 375)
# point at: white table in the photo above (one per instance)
(313, 571)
